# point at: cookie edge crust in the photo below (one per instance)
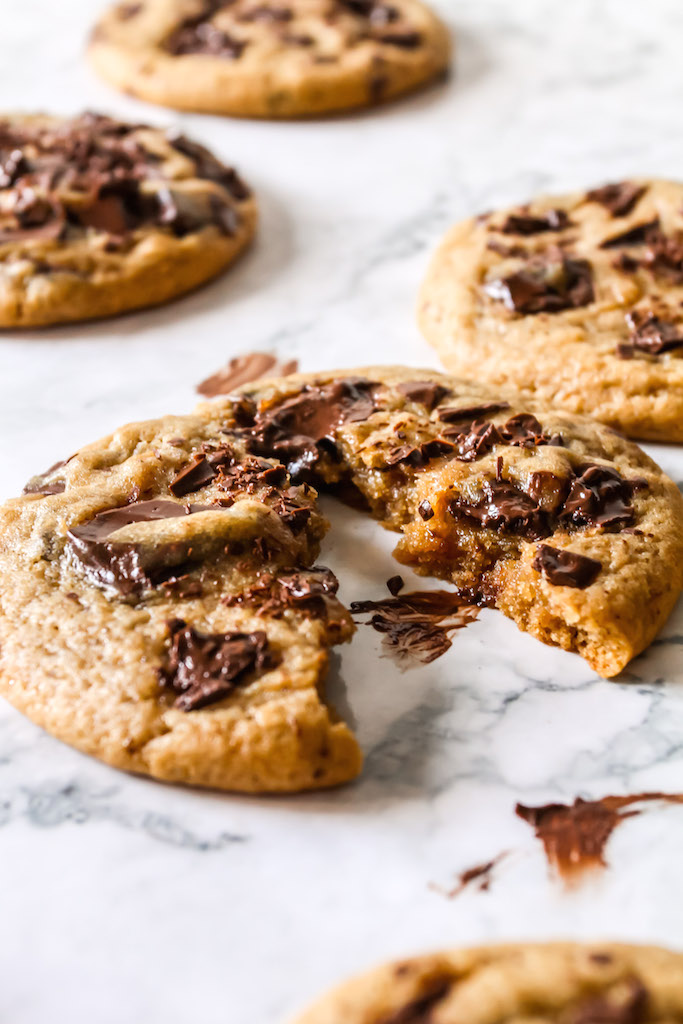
(325, 91)
(176, 267)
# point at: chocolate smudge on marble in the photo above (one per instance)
(479, 877)
(417, 627)
(244, 369)
(575, 836)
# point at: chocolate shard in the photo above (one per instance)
(423, 392)
(203, 668)
(296, 429)
(527, 224)
(548, 283)
(599, 496)
(39, 485)
(565, 568)
(619, 198)
(503, 507)
(649, 334)
(638, 235)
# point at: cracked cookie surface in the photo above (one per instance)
(574, 300)
(159, 603)
(98, 217)
(556, 983)
(269, 58)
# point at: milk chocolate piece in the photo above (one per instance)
(565, 568)
(203, 668)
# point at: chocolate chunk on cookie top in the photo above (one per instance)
(577, 300)
(269, 58)
(98, 217)
(555, 983)
(160, 602)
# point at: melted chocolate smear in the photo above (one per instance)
(619, 198)
(525, 224)
(566, 568)
(504, 508)
(120, 565)
(649, 334)
(419, 1010)
(242, 370)
(296, 429)
(311, 591)
(417, 626)
(424, 392)
(548, 283)
(478, 877)
(203, 668)
(575, 836)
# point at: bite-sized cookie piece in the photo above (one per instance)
(269, 58)
(553, 983)
(575, 300)
(158, 608)
(98, 216)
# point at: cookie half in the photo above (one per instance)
(576, 300)
(161, 609)
(269, 58)
(98, 217)
(555, 983)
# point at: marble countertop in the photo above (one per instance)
(124, 900)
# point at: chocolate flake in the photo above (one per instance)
(548, 283)
(417, 626)
(619, 198)
(203, 668)
(242, 370)
(565, 568)
(575, 836)
(528, 224)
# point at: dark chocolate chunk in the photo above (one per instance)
(419, 455)
(199, 35)
(395, 585)
(504, 508)
(548, 283)
(203, 668)
(207, 166)
(565, 568)
(311, 591)
(522, 430)
(526, 224)
(296, 429)
(424, 392)
(664, 256)
(638, 235)
(293, 513)
(599, 496)
(469, 413)
(200, 471)
(649, 334)
(619, 198)
(479, 439)
(425, 510)
(405, 40)
(419, 1010)
(630, 1007)
(38, 484)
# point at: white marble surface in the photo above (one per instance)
(122, 900)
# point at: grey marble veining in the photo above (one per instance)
(121, 899)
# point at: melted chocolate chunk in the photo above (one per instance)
(417, 626)
(470, 413)
(599, 496)
(306, 590)
(619, 198)
(638, 235)
(201, 470)
(198, 34)
(505, 508)
(479, 439)
(419, 1010)
(649, 334)
(629, 1007)
(418, 455)
(296, 429)
(566, 568)
(405, 40)
(424, 392)
(118, 564)
(548, 283)
(526, 224)
(39, 485)
(203, 668)
(208, 167)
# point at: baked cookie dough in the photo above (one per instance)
(98, 217)
(555, 983)
(160, 607)
(269, 58)
(575, 300)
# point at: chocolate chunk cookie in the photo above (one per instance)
(269, 58)
(160, 605)
(556, 983)
(98, 217)
(575, 300)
